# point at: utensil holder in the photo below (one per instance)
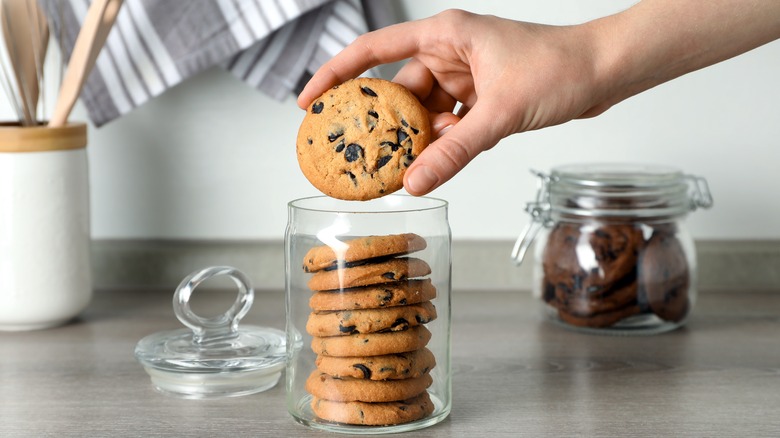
(45, 270)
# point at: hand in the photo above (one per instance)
(509, 77)
(512, 76)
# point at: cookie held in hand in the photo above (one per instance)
(357, 139)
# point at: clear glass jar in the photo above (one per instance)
(368, 313)
(612, 252)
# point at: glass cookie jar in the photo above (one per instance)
(368, 313)
(612, 252)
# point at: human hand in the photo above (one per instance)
(509, 77)
(512, 76)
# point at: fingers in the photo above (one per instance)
(367, 51)
(439, 101)
(457, 146)
(416, 77)
(442, 122)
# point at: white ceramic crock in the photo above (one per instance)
(45, 271)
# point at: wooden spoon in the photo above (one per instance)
(90, 40)
(26, 35)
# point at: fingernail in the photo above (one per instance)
(442, 131)
(422, 180)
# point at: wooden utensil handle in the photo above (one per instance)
(92, 36)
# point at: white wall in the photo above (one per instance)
(213, 159)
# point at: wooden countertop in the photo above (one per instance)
(513, 374)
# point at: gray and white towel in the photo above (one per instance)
(272, 45)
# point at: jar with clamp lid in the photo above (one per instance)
(612, 253)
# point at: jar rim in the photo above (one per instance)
(632, 190)
(395, 203)
(613, 191)
(618, 175)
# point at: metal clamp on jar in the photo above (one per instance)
(613, 254)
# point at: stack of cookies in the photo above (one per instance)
(368, 314)
(598, 275)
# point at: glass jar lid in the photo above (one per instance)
(611, 191)
(623, 190)
(213, 357)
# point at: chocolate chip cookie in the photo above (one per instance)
(378, 296)
(362, 248)
(390, 319)
(327, 387)
(344, 389)
(386, 367)
(357, 139)
(388, 271)
(372, 344)
(374, 414)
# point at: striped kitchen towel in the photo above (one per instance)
(272, 45)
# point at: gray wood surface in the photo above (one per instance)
(513, 374)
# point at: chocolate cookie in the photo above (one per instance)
(387, 367)
(590, 260)
(391, 319)
(583, 304)
(664, 277)
(374, 297)
(387, 271)
(358, 138)
(372, 344)
(599, 320)
(345, 389)
(374, 414)
(560, 260)
(362, 248)
(616, 249)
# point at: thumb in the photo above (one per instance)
(477, 131)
